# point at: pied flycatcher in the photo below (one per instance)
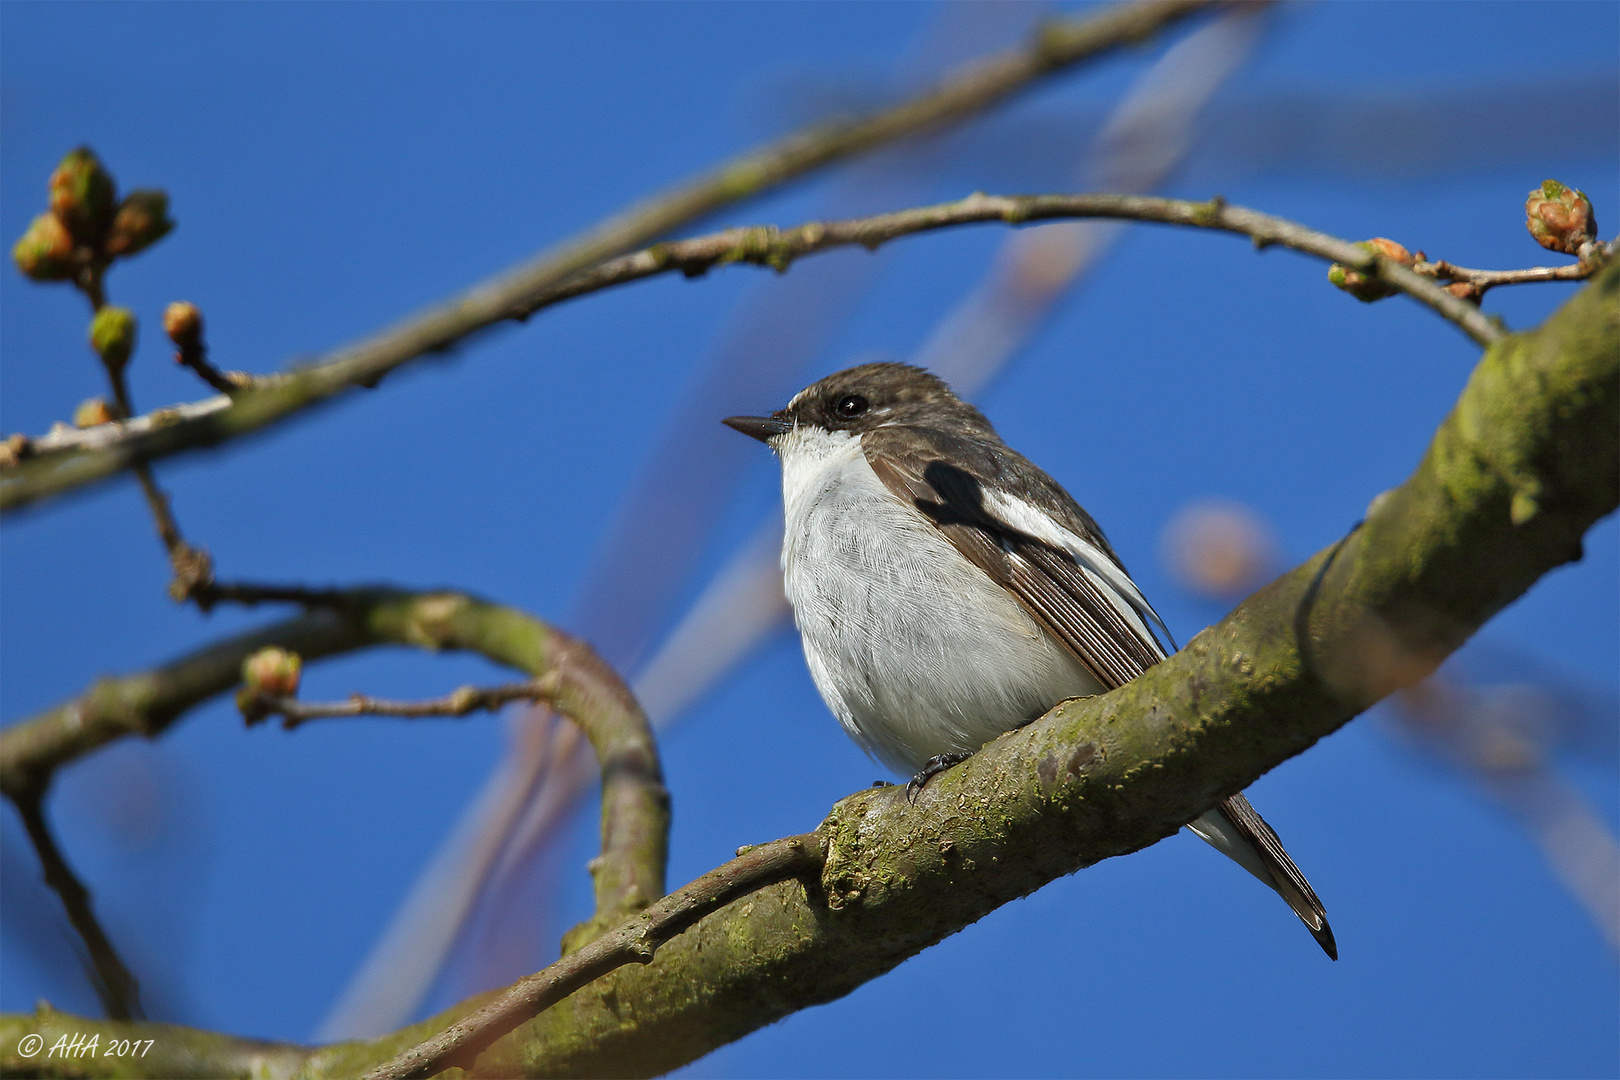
(947, 590)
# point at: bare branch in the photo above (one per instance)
(460, 702)
(252, 594)
(962, 94)
(192, 568)
(115, 986)
(633, 942)
(197, 361)
(1482, 280)
(769, 246)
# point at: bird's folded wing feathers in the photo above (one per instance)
(1031, 539)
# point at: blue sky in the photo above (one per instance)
(334, 167)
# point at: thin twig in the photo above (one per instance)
(634, 941)
(1489, 279)
(251, 594)
(194, 355)
(459, 702)
(962, 94)
(192, 567)
(209, 374)
(776, 248)
(117, 988)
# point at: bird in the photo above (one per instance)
(947, 590)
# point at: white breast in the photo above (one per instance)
(914, 648)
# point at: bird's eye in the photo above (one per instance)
(850, 405)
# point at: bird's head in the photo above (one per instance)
(859, 399)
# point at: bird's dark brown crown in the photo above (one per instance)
(870, 396)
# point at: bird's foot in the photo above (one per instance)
(930, 769)
(882, 783)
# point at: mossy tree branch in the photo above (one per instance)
(961, 95)
(1526, 462)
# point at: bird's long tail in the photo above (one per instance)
(1238, 832)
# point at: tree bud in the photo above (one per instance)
(1390, 250)
(1560, 218)
(142, 220)
(112, 335)
(91, 412)
(184, 324)
(45, 252)
(13, 448)
(82, 195)
(269, 673)
(1359, 285)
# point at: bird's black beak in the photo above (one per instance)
(763, 428)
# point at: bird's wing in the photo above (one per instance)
(1017, 525)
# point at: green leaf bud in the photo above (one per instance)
(82, 195)
(142, 220)
(1559, 217)
(1361, 286)
(112, 335)
(45, 252)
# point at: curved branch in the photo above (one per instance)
(769, 246)
(1525, 463)
(635, 805)
(961, 95)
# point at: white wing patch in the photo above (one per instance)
(1116, 584)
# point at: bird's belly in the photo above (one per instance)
(916, 650)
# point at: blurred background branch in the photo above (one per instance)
(118, 990)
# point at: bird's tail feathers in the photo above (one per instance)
(1237, 831)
